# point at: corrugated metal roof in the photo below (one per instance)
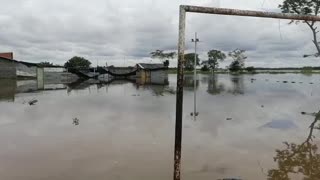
(151, 66)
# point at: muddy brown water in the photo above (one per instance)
(125, 131)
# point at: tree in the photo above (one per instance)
(214, 56)
(304, 7)
(45, 64)
(189, 61)
(238, 57)
(250, 69)
(77, 62)
(164, 57)
(205, 68)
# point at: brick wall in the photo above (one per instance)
(8, 55)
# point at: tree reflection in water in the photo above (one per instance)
(189, 83)
(299, 159)
(215, 87)
(238, 84)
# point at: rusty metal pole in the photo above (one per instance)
(247, 13)
(179, 96)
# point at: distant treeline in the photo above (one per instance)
(288, 68)
(282, 68)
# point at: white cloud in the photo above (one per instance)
(113, 30)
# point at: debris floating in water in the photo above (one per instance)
(196, 114)
(262, 106)
(75, 121)
(229, 119)
(285, 81)
(32, 102)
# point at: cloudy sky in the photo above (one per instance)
(124, 32)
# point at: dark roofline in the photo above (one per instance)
(161, 66)
(21, 62)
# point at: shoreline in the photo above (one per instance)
(244, 72)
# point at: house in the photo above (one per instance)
(10, 68)
(7, 68)
(151, 73)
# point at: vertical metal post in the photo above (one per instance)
(195, 40)
(179, 95)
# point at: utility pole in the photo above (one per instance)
(195, 41)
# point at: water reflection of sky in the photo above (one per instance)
(126, 132)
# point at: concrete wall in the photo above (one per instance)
(7, 69)
(152, 77)
(26, 71)
(7, 90)
(59, 77)
(159, 77)
(54, 69)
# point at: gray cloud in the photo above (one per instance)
(111, 31)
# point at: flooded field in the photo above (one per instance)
(249, 127)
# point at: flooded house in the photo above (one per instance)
(11, 68)
(151, 73)
(7, 68)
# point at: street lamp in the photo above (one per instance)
(195, 41)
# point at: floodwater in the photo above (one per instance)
(249, 127)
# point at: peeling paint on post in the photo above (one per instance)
(181, 45)
(179, 96)
(247, 13)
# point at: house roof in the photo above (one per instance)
(22, 62)
(151, 66)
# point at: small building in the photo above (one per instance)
(151, 73)
(7, 68)
(10, 68)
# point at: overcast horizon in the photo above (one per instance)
(123, 33)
